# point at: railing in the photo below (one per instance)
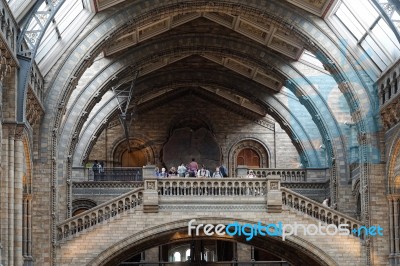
(295, 175)
(221, 263)
(290, 175)
(116, 174)
(316, 209)
(100, 213)
(211, 187)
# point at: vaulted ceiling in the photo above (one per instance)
(247, 57)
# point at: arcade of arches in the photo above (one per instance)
(97, 94)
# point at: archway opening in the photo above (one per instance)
(164, 245)
(134, 158)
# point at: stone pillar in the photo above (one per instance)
(274, 194)
(241, 171)
(396, 226)
(18, 197)
(148, 171)
(150, 195)
(11, 198)
(243, 253)
(4, 201)
(152, 254)
(378, 213)
(391, 225)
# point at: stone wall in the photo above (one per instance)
(154, 127)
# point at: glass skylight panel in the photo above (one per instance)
(349, 21)
(364, 11)
(385, 35)
(66, 21)
(375, 53)
(68, 14)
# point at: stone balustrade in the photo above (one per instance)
(212, 187)
(268, 189)
(158, 191)
(288, 175)
(317, 210)
(100, 213)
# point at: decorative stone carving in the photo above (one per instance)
(151, 185)
(273, 186)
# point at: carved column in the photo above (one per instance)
(391, 225)
(274, 194)
(396, 226)
(150, 195)
(4, 200)
(18, 194)
(11, 199)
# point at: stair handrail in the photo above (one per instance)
(104, 211)
(317, 210)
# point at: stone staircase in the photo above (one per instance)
(161, 210)
(107, 211)
(309, 207)
(229, 191)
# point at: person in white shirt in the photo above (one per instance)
(217, 173)
(181, 170)
(326, 202)
(251, 174)
(203, 172)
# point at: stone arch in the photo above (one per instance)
(257, 145)
(136, 145)
(79, 205)
(293, 250)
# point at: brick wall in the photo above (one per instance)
(228, 128)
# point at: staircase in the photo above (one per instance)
(309, 207)
(103, 212)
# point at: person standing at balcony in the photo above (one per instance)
(251, 174)
(101, 170)
(223, 170)
(326, 202)
(95, 169)
(181, 170)
(203, 172)
(217, 173)
(172, 172)
(163, 173)
(193, 168)
(156, 172)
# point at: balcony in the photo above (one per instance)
(389, 96)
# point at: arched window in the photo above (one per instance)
(187, 254)
(389, 89)
(249, 157)
(177, 256)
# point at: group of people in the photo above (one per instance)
(191, 170)
(98, 170)
(98, 167)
